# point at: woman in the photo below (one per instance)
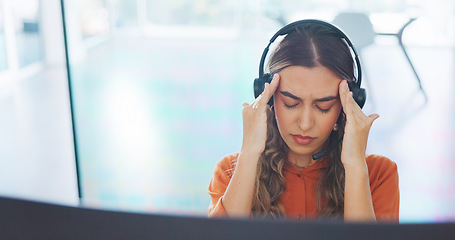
(274, 174)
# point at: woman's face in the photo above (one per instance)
(307, 106)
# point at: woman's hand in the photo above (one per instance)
(358, 205)
(239, 194)
(356, 130)
(255, 119)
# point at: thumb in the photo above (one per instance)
(373, 117)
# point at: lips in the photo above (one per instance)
(303, 140)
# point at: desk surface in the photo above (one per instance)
(21, 219)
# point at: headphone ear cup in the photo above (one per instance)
(360, 96)
(259, 84)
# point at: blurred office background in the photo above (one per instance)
(157, 91)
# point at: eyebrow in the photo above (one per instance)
(324, 99)
(288, 94)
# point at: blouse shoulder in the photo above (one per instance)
(380, 168)
(227, 164)
(385, 193)
(378, 162)
(222, 175)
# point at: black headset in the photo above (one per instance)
(359, 94)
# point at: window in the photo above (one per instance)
(3, 57)
(29, 42)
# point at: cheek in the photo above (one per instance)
(327, 123)
(284, 118)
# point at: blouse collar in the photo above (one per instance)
(318, 165)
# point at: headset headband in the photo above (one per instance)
(293, 26)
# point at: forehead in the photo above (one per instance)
(309, 82)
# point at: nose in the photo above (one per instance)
(305, 119)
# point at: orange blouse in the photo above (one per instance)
(299, 197)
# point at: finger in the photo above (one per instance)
(373, 117)
(351, 102)
(256, 102)
(274, 84)
(344, 95)
(270, 89)
(353, 109)
(245, 104)
(254, 105)
(350, 106)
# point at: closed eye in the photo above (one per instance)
(291, 106)
(322, 109)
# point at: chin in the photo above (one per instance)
(299, 150)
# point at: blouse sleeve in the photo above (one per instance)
(221, 177)
(384, 188)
